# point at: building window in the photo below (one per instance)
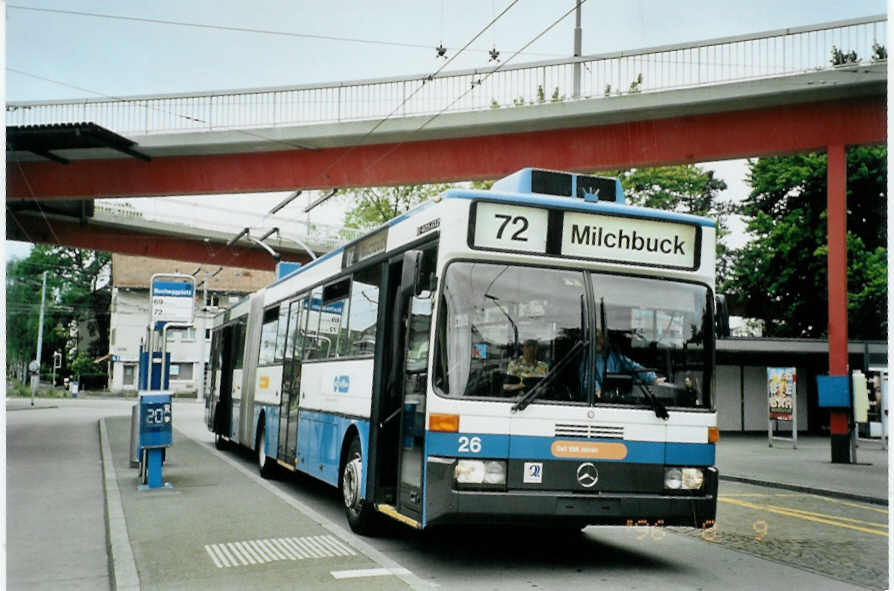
(129, 373)
(207, 334)
(181, 371)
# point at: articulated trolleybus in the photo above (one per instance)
(539, 353)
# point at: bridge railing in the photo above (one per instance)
(716, 61)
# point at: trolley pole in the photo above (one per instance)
(578, 35)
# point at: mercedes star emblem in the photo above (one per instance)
(587, 475)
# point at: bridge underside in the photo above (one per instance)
(52, 230)
(694, 138)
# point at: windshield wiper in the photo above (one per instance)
(540, 386)
(657, 405)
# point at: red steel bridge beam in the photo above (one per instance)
(695, 138)
(196, 251)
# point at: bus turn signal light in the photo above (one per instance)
(713, 434)
(443, 422)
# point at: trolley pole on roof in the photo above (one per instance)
(578, 35)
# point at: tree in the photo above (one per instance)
(781, 276)
(376, 205)
(684, 189)
(75, 290)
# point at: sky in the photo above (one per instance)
(61, 55)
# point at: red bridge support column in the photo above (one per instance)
(836, 198)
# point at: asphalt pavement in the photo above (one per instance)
(213, 524)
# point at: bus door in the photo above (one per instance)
(229, 343)
(412, 425)
(291, 381)
(402, 434)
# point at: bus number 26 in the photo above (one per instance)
(469, 444)
(519, 222)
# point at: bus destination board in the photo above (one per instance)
(630, 240)
(510, 227)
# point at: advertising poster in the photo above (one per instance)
(781, 388)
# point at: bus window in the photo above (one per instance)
(239, 345)
(317, 339)
(361, 329)
(282, 327)
(657, 332)
(335, 314)
(504, 328)
(268, 337)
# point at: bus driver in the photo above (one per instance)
(610, 360)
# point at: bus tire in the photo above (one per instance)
(220, 443)
(266, 467)
(361, 515)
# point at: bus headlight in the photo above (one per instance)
(683, 478)
(487, 472)
(673, 478)
(693, 478)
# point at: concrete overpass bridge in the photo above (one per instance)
(755, 95)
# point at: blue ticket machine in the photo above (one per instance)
(155, 434)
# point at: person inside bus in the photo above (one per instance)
(610, 360)
(525, 367)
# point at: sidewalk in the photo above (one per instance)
(747, 457)
(218, 528)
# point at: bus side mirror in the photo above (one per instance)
(721, 316)
(411, 280)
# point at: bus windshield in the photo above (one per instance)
(504, 329)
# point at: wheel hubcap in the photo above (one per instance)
(351, 483)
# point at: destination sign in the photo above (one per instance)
(629, 240)
(510, 227)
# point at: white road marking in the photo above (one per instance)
(368, 572)
(270, 550)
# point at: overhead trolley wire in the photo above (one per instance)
(230, 28)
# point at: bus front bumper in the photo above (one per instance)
(446, 505)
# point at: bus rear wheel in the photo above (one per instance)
(265, 466)
(361, 515)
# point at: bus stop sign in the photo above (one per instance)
(173, 299)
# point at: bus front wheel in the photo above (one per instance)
(361, 515)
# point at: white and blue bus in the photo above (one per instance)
(539, 353)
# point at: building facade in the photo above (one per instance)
(217, 288)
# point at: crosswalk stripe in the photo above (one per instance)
(255, 552)
(217, 562)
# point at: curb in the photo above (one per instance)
(123, 573)
(807, 489)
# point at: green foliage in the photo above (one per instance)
(376, 205)
(541, 95)
(684, 189)
(494, 104)
(636, 85)
(879, 52)
(83, 366)
(73, 282)
(608, 90)
(781, 275)
(556, 97)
